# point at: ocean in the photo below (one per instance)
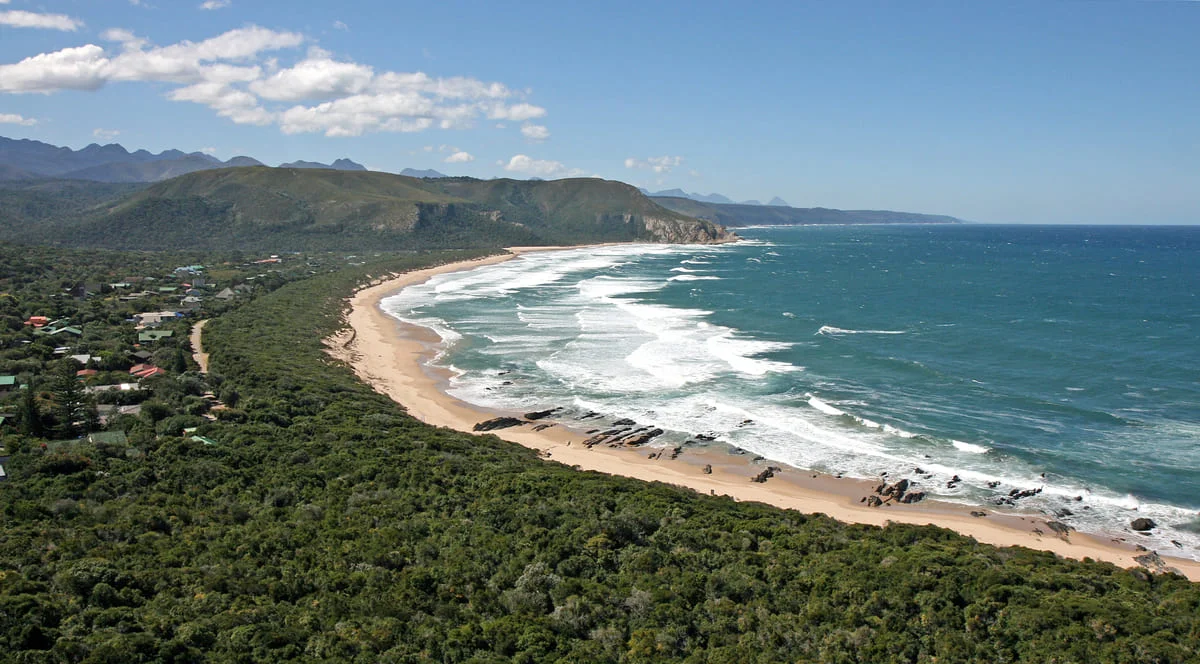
(1064, 359)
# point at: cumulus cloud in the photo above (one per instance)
(106, 134)
(13, 118)
(542, 168)
(238, 75)
(22, 19)
(662, 164)
(214, 4)
(459, 157)
(316, 77)
(535, 132)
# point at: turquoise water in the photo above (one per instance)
(1060, 358)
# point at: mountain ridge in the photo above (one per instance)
(740, 215)
(285, 209)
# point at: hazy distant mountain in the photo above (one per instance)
(777, 215)
(25, 159)
(427, 173)
(339, 165)
(719, 199)
(244, 161)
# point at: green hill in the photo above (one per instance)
(282, 209)
(734, 215)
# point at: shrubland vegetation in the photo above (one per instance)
(313, 520)
(269, 209)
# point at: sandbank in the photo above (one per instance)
(392, 357)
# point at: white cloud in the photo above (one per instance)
(106, 134)
(317, 77)
(238, 75)
(89, 67)
(542, 168)
(535, 132)
(124, 37)
(338, 25)
(459, 157)
(13, 118)
(214, 4)
(208, 150)
(23, 19)
(517, 113)
(662, 164)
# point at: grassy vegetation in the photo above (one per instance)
(325, 524)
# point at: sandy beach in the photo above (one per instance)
(392, 357)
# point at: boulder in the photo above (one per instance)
(636, 439)
(498, 423)
(708, 469)
(766, 474)
(624, 422)
(874, 501)
(1142, 524)
(540, 414)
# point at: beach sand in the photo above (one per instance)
(392, 357)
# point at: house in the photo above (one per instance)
(108, 438)
(154, 318)
(67, 330)
(122, 387)
(85, 358)
(37, 321)
(142, 355)
(84, 374)
(151, 372)
(138, 368)
(151, 336)
(7, 384)
(225, 294)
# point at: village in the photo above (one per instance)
(87, 360)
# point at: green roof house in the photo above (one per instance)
(150, 336)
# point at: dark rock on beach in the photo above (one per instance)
(541, 414)
(498, 423)
(766, 474)
(1142, 524)
(624, 422)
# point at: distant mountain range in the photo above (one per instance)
(27, 160)
(339, 165)
(719, 199)
(427, 173)
(735, 215)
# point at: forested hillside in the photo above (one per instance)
(311, 209)
(313, 520)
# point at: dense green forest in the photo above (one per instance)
(310, 519)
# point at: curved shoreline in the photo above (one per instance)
(392, 357)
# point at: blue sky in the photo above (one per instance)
(997, 112)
